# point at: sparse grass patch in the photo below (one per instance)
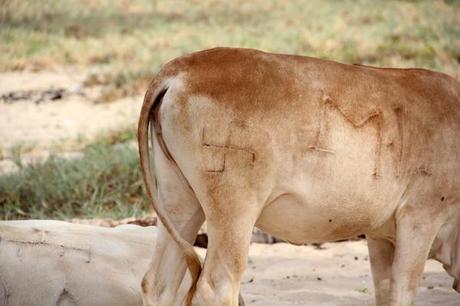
(115, 137)
(105, 182)
(15, 152)
(123, 84)
(120, 136)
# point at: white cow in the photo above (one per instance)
(46, 262)
(308, 150)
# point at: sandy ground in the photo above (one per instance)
(285, 275)
(43, 126)
(71, 117)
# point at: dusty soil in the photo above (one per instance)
(45, 110)
(50, 120)
(339, 274)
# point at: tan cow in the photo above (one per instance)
(306, 149)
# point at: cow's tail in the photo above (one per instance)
(149, 116)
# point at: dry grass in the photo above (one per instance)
(129, 40)
(105, 182)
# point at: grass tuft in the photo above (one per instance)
(105, 182)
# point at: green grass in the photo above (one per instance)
(104, 183)
(130, 40)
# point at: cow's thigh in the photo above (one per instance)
(166, 272)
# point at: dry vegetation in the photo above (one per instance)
(121, 44)
(129, 40)
(103, 182)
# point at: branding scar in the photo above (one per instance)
(374, 116)
(225, 148)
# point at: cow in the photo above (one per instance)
(306, 149)
(47, 262)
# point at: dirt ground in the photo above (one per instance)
(43, 109)
(49, 110)
(285, 275)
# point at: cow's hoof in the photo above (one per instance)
(240, 300)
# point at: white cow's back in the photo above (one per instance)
(59, 263)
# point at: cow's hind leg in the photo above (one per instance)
(381, 252)
(225, 263)
(167, 268)
(414, 237)
(228, 245)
